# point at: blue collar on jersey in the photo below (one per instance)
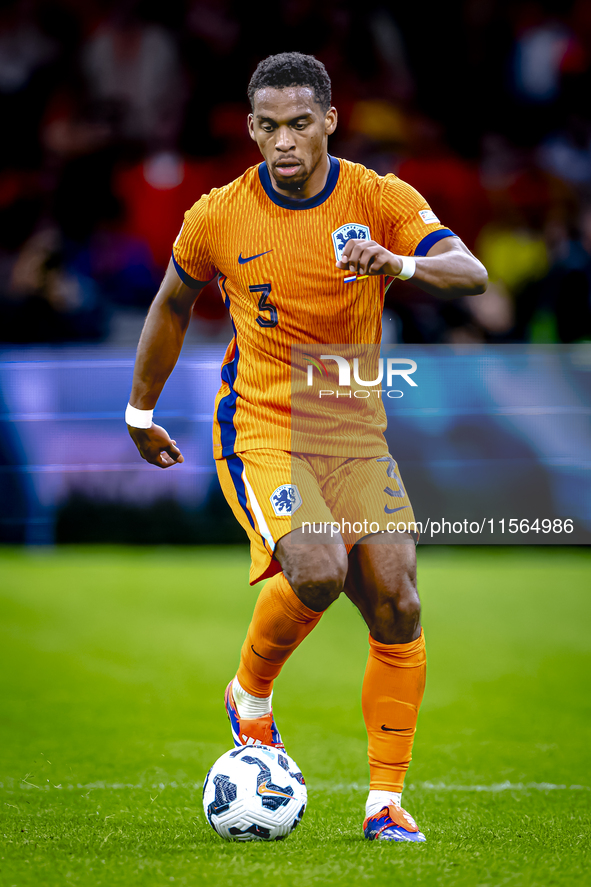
(310, 202)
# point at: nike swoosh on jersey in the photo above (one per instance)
(394, 729)
(242, 260)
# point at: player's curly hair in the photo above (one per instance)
(292, 69)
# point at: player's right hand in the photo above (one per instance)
(156, 446)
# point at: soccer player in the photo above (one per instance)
(284, 240)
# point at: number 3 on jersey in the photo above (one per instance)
(265, 305)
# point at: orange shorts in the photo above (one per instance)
(273, 492)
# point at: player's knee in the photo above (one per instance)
(397, 615)
(406, 605)
(319, 579)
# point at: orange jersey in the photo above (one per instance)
(275, 258)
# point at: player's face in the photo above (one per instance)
(292, 130)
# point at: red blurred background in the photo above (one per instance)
(116, 117)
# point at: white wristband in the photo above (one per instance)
(409, 266)
(138, 418)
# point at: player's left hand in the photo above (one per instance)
(368, 257)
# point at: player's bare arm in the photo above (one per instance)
(448, 270)
(158, 351)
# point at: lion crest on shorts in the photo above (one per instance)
(285, 500)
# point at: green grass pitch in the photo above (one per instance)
(113, 664)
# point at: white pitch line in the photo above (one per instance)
(443, 787)
(12, 784)
(502, 787)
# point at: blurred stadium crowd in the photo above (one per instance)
(117, 116)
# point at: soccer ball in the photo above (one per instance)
(254, 793)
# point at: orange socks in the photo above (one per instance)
(392, 688)
(280, 623)
(392, 693)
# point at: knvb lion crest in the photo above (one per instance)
(285, 500)
(350, 231)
